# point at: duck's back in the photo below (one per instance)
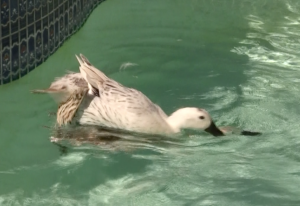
(110, 104)
(122, 108)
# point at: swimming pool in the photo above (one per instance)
(237, 59)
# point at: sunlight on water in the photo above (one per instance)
(273, 53)
(72, 159)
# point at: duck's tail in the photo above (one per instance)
(91, 74)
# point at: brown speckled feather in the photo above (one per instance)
(67, 110)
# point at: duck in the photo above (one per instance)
(91, 98)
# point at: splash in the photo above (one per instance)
(125, 65)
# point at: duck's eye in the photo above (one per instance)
(201, 117)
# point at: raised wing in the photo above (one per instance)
(126, 99)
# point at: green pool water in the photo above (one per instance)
(237, 59)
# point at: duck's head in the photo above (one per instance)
(193, 118)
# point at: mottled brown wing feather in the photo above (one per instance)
(67, 110)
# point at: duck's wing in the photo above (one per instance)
(117, 105)
(102, 86)
(68, 109)
(63, 87)
(127, 98)
(93, 76)
(124, 108)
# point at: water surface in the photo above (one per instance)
(237, 59)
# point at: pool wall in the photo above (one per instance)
(32, 30)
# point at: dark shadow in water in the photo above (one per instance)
(95, 137)
(108, 139)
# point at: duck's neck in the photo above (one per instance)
(175, 122)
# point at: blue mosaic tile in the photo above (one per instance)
(22, 8)
(94, 4)
(38, 26)
(66, 5)
(86, 8)
(66, 24)
(30, 6)
(81, 4)
(61, 9)
(56, 38)
(22, 22)
(51, 38)
(38, 47)
(90, 6)
(14, 11)
(56, 15)
(61, 29)
(31, 52)
(75, 23)
(31, 47)
(38, 13)
(44, 2)
(44, 9)
(4, 12)
(14, 27)
(45, 42)
(31, 67)
(6, 74)
(50, 5)
(51, 19)
(1, 69)
(5, 30)
(55, 3)
(79, 13)
(37, 3)
(31, 30)
(15, 57)
(23, 58)
(5, 42)
(70, 20)
(30, 18)
(15, 62)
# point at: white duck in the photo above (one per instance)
(105, 102)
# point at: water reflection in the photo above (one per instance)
(273, 43)
(273, 48)
(93, 137)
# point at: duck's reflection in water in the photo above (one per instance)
(89, 137)
(95, 137)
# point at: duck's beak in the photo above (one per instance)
(214, 130)
(249, 133)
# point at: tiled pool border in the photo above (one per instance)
(32, 30)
